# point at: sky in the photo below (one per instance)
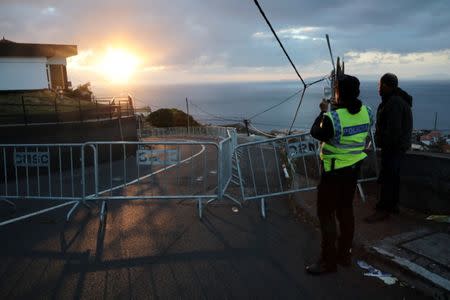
(197, 41)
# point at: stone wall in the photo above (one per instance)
(425, 182)
(73, 132)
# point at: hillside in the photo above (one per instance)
(170, 117)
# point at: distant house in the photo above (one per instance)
(430, 138)
(34, 66)
(446, 148)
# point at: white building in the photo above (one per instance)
(33, 66)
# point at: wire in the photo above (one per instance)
(213, 115)
(260, 131)
(296, 112)
(279, 42)
(278, 104)
(317, 81)
(145, 103)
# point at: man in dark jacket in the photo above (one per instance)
(393, 135)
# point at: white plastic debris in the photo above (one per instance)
(439, 218)
(213, 172)
(286, 174)
(373, 272)
(199, 178)
(235, 209)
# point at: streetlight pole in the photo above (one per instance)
(187, 110)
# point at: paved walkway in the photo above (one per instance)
(161, 250)
(415, 249)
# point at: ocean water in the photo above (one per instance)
(228, 103)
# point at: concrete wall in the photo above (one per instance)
(80, 132)
(23, 73)
(76, 132)
(425, 182)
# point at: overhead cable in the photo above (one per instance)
(278, 104)
(296, 112)
(279, 42)
(213, 115)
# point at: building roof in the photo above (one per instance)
(12, 49)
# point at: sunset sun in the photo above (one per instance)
(119, 65)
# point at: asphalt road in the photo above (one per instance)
(162, 250)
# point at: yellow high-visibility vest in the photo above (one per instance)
(350, 133)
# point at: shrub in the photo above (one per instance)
(170, 117)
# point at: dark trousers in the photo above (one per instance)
(335, 200)
(389, 181)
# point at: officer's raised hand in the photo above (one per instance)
(324, 106)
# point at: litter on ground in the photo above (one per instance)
(439, 218)
(373, 272)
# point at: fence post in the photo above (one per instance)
(79, 109)
(110, 111)
(25, 119)
(96, 108)
(56, 109)
(219, 172)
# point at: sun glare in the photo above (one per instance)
(118, 65)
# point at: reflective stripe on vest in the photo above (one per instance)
(350, 134)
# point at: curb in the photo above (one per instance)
(427, 282)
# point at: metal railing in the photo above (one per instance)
(225, 163)
(108, 171)
(43, 172)
(204, 131)
(148, 170)
(35, 110)
(287, 165)
(176, 169)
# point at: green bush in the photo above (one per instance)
(170, 117)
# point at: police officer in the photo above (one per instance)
(343, 132)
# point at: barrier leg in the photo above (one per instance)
(103, 211)
(10, 203)
(69, 214)
(361, 192)
(263, 208)
(234, 200)
(86, 204)
(200, 208)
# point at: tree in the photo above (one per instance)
(170, 117)
(83, 91)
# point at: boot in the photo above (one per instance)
(377, 216)
(320, 268)
(344, 260)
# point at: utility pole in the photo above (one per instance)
(187, 110)
(435, 120)
(246, 126)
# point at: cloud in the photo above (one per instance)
(217, 36)
(409, 65)
(295, 33)
(50, 10)
(83, 61)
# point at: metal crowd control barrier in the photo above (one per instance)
(225, 163)
(76, 173)
(204, 131)
(154, 170)
(286, 165)
(42, 172)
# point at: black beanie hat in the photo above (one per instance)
(348, 87)
(389, 79)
